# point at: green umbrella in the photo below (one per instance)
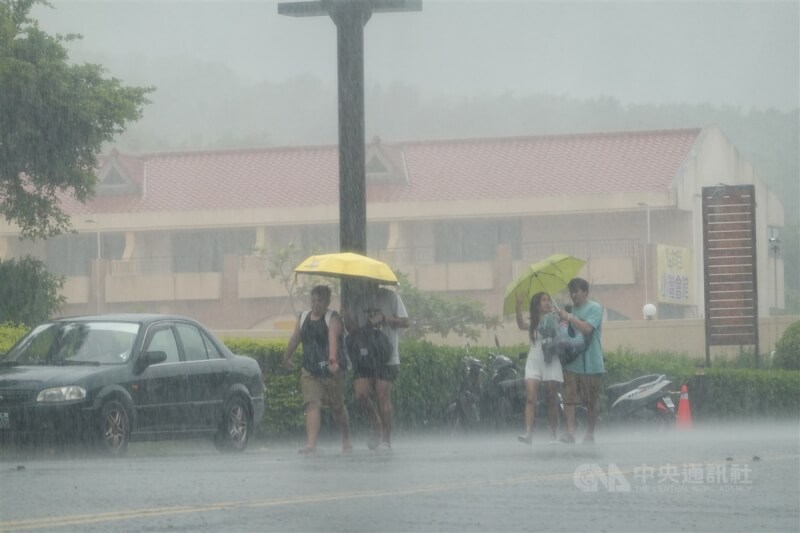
(550, 275)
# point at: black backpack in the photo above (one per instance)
(315, 356)
(369, 348)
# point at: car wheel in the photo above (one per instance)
(236, 426)
(115, 428)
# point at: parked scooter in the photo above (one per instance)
(644, 399)
(503, 398)
(464, 411)
(504, 395)
(492, 395)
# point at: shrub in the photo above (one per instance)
(738, 393)
(28, 292)
(787, 349)
(9, 335)
(430, 376)
(283, 413)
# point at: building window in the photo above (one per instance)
(204, 251)
(475, 240)
(377, 238)
(72, 255)
(320, 239)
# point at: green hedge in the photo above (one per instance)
(430, 376)
(787, 349)
(729, 393)
(9, 335)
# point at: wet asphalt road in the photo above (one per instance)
(737, 477)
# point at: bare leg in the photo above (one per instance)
(531, 395)
(343, 421)
(552, 407)
(383, 390)
(362, 387)
(312, 425)
(570, 393)
(592, 411)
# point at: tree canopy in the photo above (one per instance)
(437, 314)
(29, 294)
(54, 118)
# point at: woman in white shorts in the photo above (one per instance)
(536, 369)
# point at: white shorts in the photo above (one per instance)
(536, 368)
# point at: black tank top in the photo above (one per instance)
(314, 335)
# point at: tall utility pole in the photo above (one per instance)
(98, 257)
(350, 16)
(646, 253)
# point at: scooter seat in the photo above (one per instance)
(618, 388)
(517, 383)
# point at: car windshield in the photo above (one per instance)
(75, 343)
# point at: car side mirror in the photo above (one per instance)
(150, 358)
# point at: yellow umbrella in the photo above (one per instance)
(348, 264)
(549, 275)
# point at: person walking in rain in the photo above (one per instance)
(583, 377)
(382, 309)
(322, 377)
(542, 323)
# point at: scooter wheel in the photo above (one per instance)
(503, 413)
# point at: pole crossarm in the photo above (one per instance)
(320, 8)
(350, 17)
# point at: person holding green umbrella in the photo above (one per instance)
(543, 323)
(583, 377)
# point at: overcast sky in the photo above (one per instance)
(745, 54)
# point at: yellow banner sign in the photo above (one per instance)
(674, 275)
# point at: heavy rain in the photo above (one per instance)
(399, 265)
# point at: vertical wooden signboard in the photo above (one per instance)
(729, 258)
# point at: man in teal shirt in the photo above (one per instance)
(583, 377)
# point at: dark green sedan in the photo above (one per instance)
(107, 380)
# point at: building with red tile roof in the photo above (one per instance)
(186, 232)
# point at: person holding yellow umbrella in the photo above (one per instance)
(322, 378)
(381, 307)
(374, 307)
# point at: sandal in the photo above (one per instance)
(525, 438)
(307, 450)
(567, 438)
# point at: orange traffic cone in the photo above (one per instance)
(684, 418)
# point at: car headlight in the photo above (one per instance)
(62, 394)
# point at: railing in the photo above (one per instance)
(422, 255)
(535, 251)
(253, 263)
(531, 251)
(142, 265)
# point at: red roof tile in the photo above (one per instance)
(601, 163)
